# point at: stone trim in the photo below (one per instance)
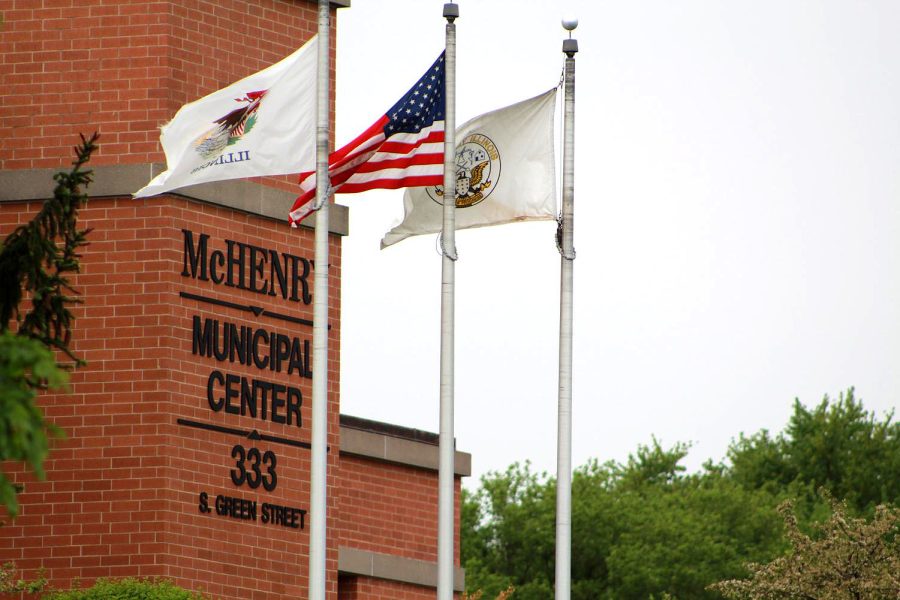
(394, 568)
(124, 180)
(398, 431)
(400, 450)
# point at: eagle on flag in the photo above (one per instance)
(231, 127)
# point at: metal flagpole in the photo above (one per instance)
(319, 452)
(448, 251)
(567, 253)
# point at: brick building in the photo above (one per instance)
(187, 448)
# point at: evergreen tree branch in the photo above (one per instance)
(37, 259)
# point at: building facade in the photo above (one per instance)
(187, 434)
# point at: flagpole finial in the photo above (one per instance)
(451, 11)
(570, 46)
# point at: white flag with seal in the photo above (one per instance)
(263, 124)
(505, 172)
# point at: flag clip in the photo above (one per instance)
(452, 254)
(329, 190)
(559, 241)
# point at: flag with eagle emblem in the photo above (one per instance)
(261, 125)
(505, 172)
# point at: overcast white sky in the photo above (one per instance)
(737, 205)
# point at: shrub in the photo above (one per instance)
(128, 589)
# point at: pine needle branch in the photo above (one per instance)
(37, 259)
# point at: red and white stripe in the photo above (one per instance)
(372, 161)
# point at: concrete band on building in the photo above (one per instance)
(186, 453)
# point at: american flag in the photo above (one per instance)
(404, 148)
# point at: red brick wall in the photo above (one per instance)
(122, 493)
(364, 588)
(121, 496)
(391, 509)
(123, 67)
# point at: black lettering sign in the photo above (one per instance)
(229, 342)
(285, 516)
(267, 272)
(254, 468)
(242, 509)
(247, 267)
(236, 508)
(263, 400)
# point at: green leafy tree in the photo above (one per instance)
(678, 538)
(36, 261)
(838, 446)
(645, 528)
(26, 365)
(674, 533)
(639, 529)
(512, 519)
(847, 558)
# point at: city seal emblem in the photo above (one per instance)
(477, 171)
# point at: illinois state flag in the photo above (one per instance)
(263, 124)
(505, 172)
(403, 148)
